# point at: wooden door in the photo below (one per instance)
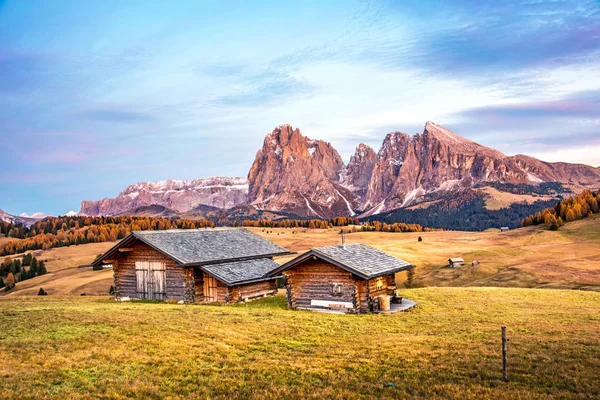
(150, 280)
(210, 289)
(158, 271)
(142, 279)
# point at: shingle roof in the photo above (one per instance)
(242, 271)
(190, 247)
(207, 246)
(362, 260)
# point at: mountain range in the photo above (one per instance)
(293, 175)
(23, 218)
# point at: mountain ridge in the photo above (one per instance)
(294, 174)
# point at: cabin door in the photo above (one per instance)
(210, 289)
(150, 280)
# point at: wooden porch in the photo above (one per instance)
(399, 307)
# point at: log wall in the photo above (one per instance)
(177, 279)
(252, 291)
(312, 280)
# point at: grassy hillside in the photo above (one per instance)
(449, 346)
(526, 257)
(63, 277)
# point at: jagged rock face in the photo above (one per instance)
(440, 161)
(178, 195)
(295, 174)
(359, 170)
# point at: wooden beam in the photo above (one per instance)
(108, 261)
(125, 249)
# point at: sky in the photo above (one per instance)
(98, 95)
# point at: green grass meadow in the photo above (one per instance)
(448, 347)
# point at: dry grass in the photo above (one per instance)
(449, 346)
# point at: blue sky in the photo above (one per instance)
(95, 96)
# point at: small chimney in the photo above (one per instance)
(343, 239)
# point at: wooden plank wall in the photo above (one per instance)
(389, 284)
(312, 280)
(124, 272)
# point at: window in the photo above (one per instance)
(379, 284)
(337, 289)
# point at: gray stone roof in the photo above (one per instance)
(362, 260)
(209, 246)
(242, 271)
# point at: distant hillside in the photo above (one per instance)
(466, 211)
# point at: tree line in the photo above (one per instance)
(379, 226)
(66, 231)
(17, 270)
(571, 209)
(300, 223)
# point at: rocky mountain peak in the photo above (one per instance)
(393, 144)
(360, 169)
(298, 174)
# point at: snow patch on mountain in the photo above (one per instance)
(352, 213)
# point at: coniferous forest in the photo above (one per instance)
(465, 212)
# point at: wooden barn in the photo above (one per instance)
(223, 265)
(346, 278)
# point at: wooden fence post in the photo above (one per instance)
(504, 374)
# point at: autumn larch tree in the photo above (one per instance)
(10, 281)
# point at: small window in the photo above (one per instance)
(337, 289)
(379, 284)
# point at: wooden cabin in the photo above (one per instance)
(456, 262)
(222, 265)
(344, 278)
